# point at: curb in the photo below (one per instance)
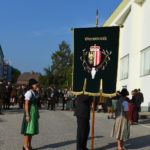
(144, 116)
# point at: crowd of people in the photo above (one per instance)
(109, 104)
(51, 97)
(12, 95)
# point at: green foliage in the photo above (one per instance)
(59, 74)
(47, 79)
(61, 64)
(43, 80)
(15, 74)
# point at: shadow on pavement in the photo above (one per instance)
(108, 146)
(60, 144)
(135, 143)
(144, 121)
(139, 142)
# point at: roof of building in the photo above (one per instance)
(124, 8)
(117, 11)
(26, 76)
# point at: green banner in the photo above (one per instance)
(95, 60)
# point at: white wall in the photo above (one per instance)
(134, 37)
(145, 42)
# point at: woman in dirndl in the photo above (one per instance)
(121, 128)
(30, 125)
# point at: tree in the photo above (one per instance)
(15, 74)
(43, 81)
(59, 74)
(46, 80)
(61, 65)
(69, 74)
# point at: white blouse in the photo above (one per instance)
(28, 95)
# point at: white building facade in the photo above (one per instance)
(134, 47)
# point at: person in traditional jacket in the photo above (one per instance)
(9, 88)
(139, 99)
(43, 96)
(109, 108)
(2, 95)
(64, 100)
(121, 128)
(7, 94)
(82, 112)
(70, 98)
(7, 99)
(30, 125)
(39, 97)
(20, 94)
(102, 101)
(132, 109)
(114, 102)
(13, 95)
(56, 96)
(53, 98)
(48, 97)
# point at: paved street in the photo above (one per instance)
(58, 132)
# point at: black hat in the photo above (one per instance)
(32, 82)
(124, 92)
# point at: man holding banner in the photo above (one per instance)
(83, 117)
(95, 70)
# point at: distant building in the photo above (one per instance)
(7, 72)
(25, 77)
(1, 62)
(134, 47)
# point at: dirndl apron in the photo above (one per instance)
(31, 127)
(121, 127)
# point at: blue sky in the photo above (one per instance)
(31, 30)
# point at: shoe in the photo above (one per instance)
(122, 148)
(23, 148)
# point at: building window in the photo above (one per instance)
(145, 62)
(124, 67)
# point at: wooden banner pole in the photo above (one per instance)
(93, 123)
(93, 103)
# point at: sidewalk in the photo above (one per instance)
(144, 115)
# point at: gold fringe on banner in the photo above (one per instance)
(94, 94)
(108, 95)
